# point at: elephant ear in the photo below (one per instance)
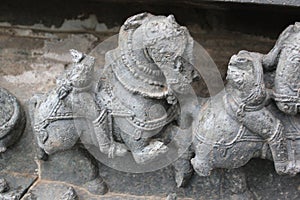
(270, 60)
(135, 21)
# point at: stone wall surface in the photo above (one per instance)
(30, 61)
(295, 3)
(35, 39)
(264, 2)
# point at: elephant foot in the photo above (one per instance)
(201, 167)
(293, 168)
(183, 169)
(114, 149)
(96, 186)
(150, 152)
(284, 168)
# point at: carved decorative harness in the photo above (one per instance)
(53, 115)
(117, 109)
(243, 107)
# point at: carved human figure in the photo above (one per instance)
(136, 83)
(235, 126)
(285, 59)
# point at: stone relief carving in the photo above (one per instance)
(235, 125)
(284, 61)
(4, 187)
(243, 121)
(57, 112)
(137, 82)
(135, 99)
(134, 107)
(54, 118)
(12, 120)
(284, 58)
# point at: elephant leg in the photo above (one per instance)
(270, 128)
(183, 168)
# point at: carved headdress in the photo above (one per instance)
(145, 43)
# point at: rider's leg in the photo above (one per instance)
(266, 125)
(84, 105)
(103, 128)
(143, 150)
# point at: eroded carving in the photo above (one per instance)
(12, 120)
(4, 187)
(235, 126)
(135, 107)
(138, 78)
(136, 97)
(63, 115)
(69, 195)
(285, 59)
(243, 122)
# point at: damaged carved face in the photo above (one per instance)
(81, 75)
(240, 73)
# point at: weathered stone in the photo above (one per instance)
(18, 185)
(240, 104)
(284, 59)
(172, 196)
(157, 185)
(69, 195)
(12, 120)
(4, 187)
(264, 2)
(72, 166)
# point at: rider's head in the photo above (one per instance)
(245, 74)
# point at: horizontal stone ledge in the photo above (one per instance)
(293, 3)
(267, 2)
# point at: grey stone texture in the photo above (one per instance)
(42, 179)
(263, 2)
